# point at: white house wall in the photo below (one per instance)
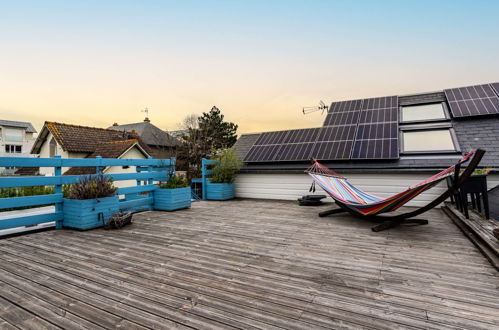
(293, 186)
(133, 153)
(26, 143)
(45, 153)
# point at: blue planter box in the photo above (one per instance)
(172, 199)
(220, 191)
(84, 214)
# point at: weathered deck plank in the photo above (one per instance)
(248, 264)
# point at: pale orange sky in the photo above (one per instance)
(94, 64)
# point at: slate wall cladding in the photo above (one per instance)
(480, 133)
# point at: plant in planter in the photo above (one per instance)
(89, 202)
(173, 195)
(221, 185)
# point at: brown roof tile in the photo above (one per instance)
(113, 149)
(74, 138)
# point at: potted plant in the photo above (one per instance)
(221, 185)
(90, 202)
(173, 195)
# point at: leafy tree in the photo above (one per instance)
(217, 132)
(203, 137)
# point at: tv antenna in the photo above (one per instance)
(321, 107)
(146, 110)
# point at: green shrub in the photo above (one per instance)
(175, 182)
(22, 192)
(482, 171)
(92, 187)
(228, 166)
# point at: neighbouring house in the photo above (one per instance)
(16, 139)
(161, 144)
(383, 144)
(73, 141)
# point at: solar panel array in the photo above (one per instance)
(343, 113)
(496, 87)
(357, 129)
(377, 131)
(471, 101)
(291, 145)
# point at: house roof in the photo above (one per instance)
(471, 133)
(21, 124)
(149, 133)
(112, 149)
(84, 139)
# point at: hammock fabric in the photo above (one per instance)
(360, 202)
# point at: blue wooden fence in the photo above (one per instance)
(205, 173)
(148, 171)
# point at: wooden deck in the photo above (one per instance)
(248, 264)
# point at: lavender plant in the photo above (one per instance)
(91, 187)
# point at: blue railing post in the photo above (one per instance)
(203, 178)
(138, 171)
(98, 168)
(58, 190)
(149, 170)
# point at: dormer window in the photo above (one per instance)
(424, 112)
(426, 128)
(433, 140)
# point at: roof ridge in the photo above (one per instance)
(121, 141)
(79, 126)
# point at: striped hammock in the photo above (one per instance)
(353, 198)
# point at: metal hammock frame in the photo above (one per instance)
(359, 203)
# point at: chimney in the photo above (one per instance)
(147, 119)
(115, 124)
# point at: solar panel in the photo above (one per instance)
(343, 113)
(334, 142)
(295, 151)
(301, 135)
(290, 145)
(262, 153)
(376, 149)
(496, 87)
(271, 138)
(472, 101)
(377, 131)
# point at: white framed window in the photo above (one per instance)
(13, 135)
(12, 148)
(428, 140)
(424, 112)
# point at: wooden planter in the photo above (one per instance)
(84, 214)
(172, 199)
(220, 191)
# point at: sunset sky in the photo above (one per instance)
(98, 62)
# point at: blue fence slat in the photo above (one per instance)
(136, 203)
(158, 176)
(30, 220)
(28, 181)
(209, 161)
(137, 189)
(154, 169)
(31, 181)
(30, 200)
(29, 162)
(71, 162)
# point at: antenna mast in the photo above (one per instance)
(321, 107)
(146, 110)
